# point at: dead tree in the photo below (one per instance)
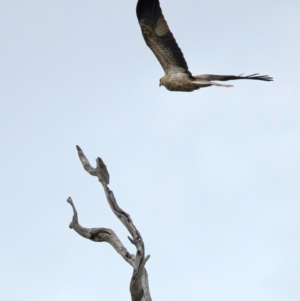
(139, 287)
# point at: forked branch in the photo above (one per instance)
(139, 287)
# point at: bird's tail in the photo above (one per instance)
(220, 85)
(205, 83)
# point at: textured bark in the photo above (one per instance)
(139, 287)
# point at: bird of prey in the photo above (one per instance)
(161, 41)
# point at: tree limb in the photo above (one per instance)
(139, 287)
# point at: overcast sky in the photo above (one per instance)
(210, 178)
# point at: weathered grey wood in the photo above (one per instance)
(139, 287)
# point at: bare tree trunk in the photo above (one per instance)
(139, 287)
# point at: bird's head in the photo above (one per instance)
(162, 81)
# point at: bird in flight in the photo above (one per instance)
(161, 41)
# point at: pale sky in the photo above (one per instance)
(210, 178)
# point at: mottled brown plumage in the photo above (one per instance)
(161, 41)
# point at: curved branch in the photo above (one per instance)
(139, 287)
(100, 235)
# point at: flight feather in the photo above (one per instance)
(158, 36)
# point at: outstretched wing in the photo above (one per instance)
(159, 38)
(211, 77)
